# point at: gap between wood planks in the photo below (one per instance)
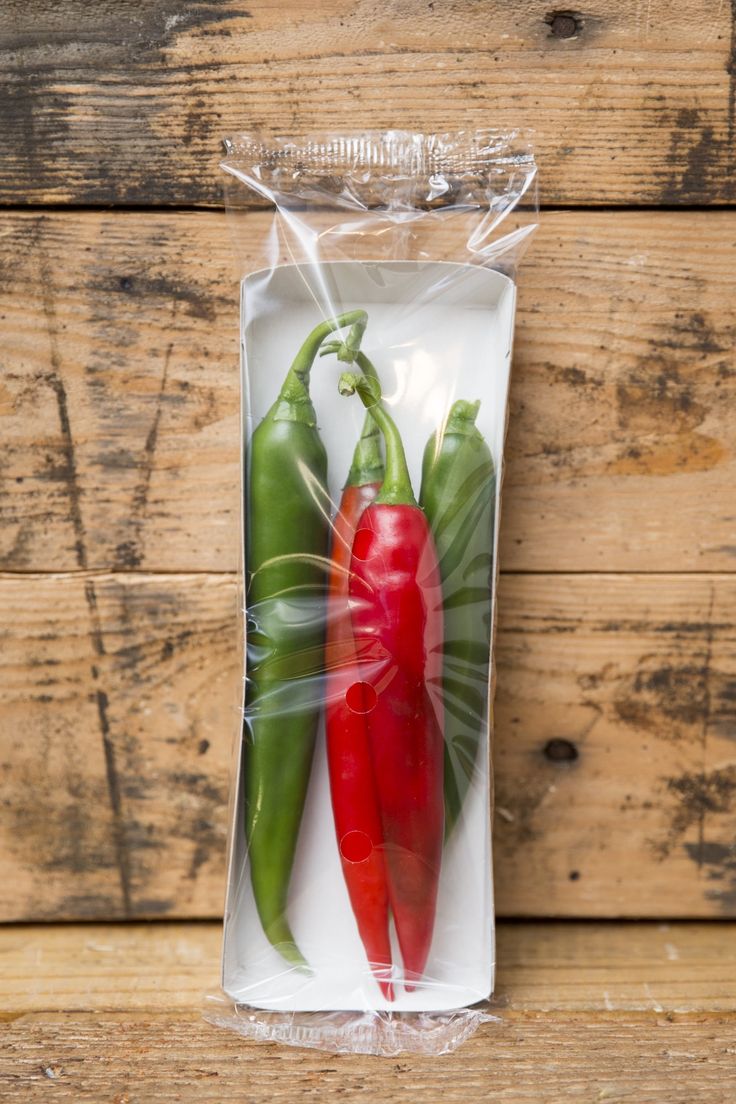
(210, 208)
(104, 572)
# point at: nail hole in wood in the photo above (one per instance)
(564, 24)
(560, 751)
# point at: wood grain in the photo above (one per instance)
(120, 709)
(129, 1058)
(604, 1012)
(616, 775)
(574, 966)
(119, 393)
(631, 103)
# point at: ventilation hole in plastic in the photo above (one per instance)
(360, 697)
(355, 847)
(362, 544)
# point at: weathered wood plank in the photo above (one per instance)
(631, 102)
(119, 393)
(637, 673)
(616, 773)
(119, 715)
(125, 1058)
(542, 967)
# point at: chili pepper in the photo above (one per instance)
(458, 495)
(396, 611)
(354, 798)
(287, 536)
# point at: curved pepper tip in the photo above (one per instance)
(387, 989)
(291, 953)
(461, 418)
(281, 939)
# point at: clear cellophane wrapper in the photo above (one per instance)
(414, 241)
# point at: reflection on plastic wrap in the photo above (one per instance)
(384, 1034)
(359, 913)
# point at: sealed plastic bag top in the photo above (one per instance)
(376, 320)
(468, 196)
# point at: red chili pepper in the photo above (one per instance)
(396, 611)
(354, 798)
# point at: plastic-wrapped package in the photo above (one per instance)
(376, 349)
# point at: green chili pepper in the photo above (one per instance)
(458, 494)
(287, 539)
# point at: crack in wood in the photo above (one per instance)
(55, 380)
(108, 747)
(129, 554)
(731, 70)
(56, 383)
(707, 705)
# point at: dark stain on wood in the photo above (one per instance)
(694, 332)
(196, 302)
(202, 823)
(718, 862)
(72, 45)
(690, 628)
(34, 132)
(696, 158)
(677, 692)
(197, 121)
(154, 907)
(67, 835)
(20, 551)
(106, 29)
(551, 624)
(116, 459)
(200, 784)
(575, 377)
(695, 796)
(688, 692)
(648, 403)
(84, 906)
(661, 405)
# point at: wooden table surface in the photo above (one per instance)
(586, 1012)
(615, 749)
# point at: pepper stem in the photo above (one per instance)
(396, 489)
(295, 387)
(367, 465)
